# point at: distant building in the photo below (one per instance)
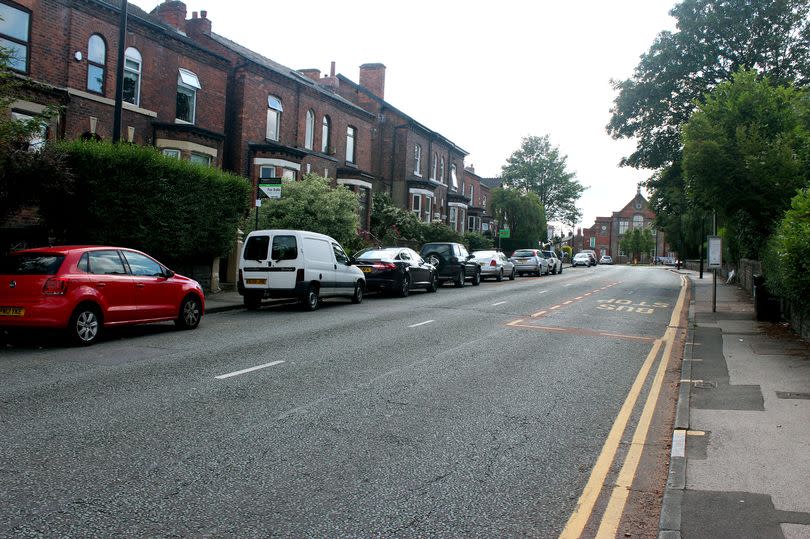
(606, 234)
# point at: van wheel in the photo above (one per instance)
(190, 313)
(311, 300)
(357, 297)
(84, 327)
(251, 301)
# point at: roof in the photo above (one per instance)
(284, 71)
(407, 118)
(492, 182)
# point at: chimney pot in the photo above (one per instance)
(204, 14)
(193, 14)
(332, 70)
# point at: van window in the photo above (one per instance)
(284, 248)
(340, 256)
(256, 248)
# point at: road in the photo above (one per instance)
(474, 412)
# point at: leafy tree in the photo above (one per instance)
(438, 231)
(392, 225)
(746, 153)
(714, 39)
(787, 266)
(539, 168)
(29, 176)
(312, 204)
(524, 214)
(477, 242)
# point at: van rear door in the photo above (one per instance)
(254, 262)
(283, 261)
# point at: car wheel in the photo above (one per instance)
(560, 269)
(476, 280)
(554, 270)
(404, 286)
(190, 313)
(357, 297)
(459, 280)
(499, 278)
(251, 301)
(311, 300)
(85, 325)
(433, 286)
(512, 275)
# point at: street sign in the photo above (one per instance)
(504, 233)
(715, 252)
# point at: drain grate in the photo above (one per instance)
(792, 395)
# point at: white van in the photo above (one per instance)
(296, 264)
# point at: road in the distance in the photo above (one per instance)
(473, 412)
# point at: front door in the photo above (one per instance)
(154, 294)
(116, 288)
(345, 277)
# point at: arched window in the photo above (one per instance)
(96, 63)
(417, 159)
(309, 131)
(132, 76)
(351, 135)
(638, 221)
(326, 135)
(434, 166)
(441, 170)
(274, 110)
(453, 177)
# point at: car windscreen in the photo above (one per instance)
(31, 264)
(547, 254)
(523, 252)
(484, 254)
(377, 254)
(581, 255)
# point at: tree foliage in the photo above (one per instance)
(787, 266)
(714, 39)
(746, 153)
(538, 167)
(524, 214)
(312, 204)
(392, 225)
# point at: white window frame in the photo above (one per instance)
(133, 56)
(624, 225)
(416, 204)
(441, 170)
(453, 176)
(326, 134)
(171, 152)
(309, 130)
(453, 218)
(94, 61)
(638, 221)
(428, 209)
(13, 42)
(274, 110)
(200, 159)
(351, 141)
(434, 166)
(417, 160)
(188, 83)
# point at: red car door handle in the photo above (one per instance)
(101, 285)
(138, 285)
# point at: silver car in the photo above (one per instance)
(529, 261)
(554, 263)
(494, 264)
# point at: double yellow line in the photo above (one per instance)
(621, 490)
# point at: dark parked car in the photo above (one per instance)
(453, 262)
(84, 289)
(397, 270)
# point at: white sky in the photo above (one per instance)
(483, 74)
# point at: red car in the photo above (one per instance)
(86, 288)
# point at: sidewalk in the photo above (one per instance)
(222, 301)
(740, 463)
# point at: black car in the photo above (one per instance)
(396, 270)
(453, 262)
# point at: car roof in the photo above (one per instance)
(65, 249)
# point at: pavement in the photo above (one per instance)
(740, 461)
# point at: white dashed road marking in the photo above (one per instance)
(243, 371)
(421, 323)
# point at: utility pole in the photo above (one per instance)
(119, 74)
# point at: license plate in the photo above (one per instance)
(12, 311)
(256, 281)
(365, 270)
(522, 259)
(481, 264)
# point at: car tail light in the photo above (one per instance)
(493, 263)
(384, 266)
(299, 275)
(55, 286)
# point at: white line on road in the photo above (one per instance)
(499, 303)
(542, 291)
(243, 371)
(421, 323)
(568, 284)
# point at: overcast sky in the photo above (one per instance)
(483, 74)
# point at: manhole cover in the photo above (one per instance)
(792, 395)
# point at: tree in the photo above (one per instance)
(787, 266)
(746, 153)
(392, 225)
(312, 204)
(539, 168)
(524, 214)
(714, 39)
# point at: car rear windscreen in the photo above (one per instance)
(523, 253)
(31, 264)
(378, 254)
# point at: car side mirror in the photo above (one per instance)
(168, 273)
(352, 261)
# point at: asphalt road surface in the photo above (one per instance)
(474, 412)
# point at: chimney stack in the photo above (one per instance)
(173, 13)
(372, 77)
(199, 26)
(314, 74)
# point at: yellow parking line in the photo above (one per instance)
(539, 313)
(514, 322)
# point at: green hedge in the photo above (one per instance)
(134, 196)
(786, 264)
